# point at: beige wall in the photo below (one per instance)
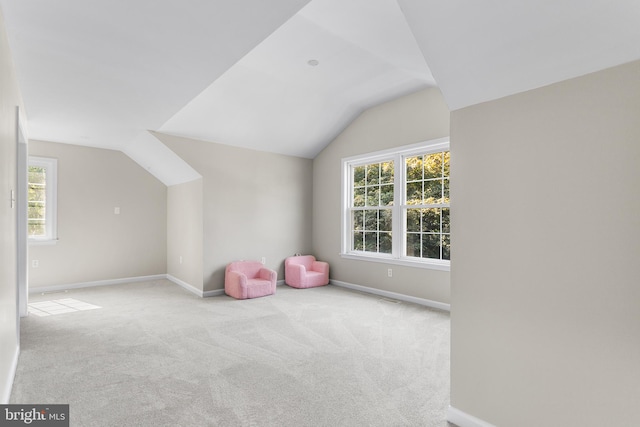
(94, 243)
(546, 242)
(9, 99)
(185, 233)
(255, 205)
(418, 117)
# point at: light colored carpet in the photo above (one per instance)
(155, 355)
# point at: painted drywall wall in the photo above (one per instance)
(185, 233)
(9, 99)
(418, 117)
(546, 242)
(255, 204)
(94, 243)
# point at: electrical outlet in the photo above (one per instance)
(116, 210)
(264, 260)
(389, 272)
(35, 263)
(180, 259)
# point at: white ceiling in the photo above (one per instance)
(103, 73)
(484, 50)
(272, 99)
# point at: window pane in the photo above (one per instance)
(358, 220)
(371, 220)
(413, 244)
(433, 191)
(373, 173)
(446, 191)
(358, 176)
(385, 220)
(386, 173)
(447, 156)
(431, 246)
(371, 242)
(386, 195)
(446, 246)
(446, 222)
(431, 220)
(36, 220)
(414, 193)
(433, 165)
(373, 196)
(413, 220)
(36, 228)
(358, 241)
(37, 175)
(36, 212)
(37, 193)
(385, 243)
(414, 168)
(358, 196)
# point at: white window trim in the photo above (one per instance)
(397, 154)
(51, 217)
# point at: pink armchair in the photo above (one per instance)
(249, 279)
(304, 271)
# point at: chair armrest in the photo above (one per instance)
(294, 273)
(320, 267)
(268, 274)
(235, 284)
(236, 278)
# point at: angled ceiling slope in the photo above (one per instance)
(301, 86)
(100, 73)
(480, 51)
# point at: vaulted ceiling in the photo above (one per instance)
(285, 76)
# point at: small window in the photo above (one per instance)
(42, 181)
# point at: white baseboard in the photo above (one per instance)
(181, 283)
(185, 285)
(214, 293)
(6, 389)
(462, 419)
(394, 295)
(194, 290)
(56, 288)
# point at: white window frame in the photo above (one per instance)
(51, 194)
(398, 155)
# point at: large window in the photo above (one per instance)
(42, 177)
(396, 206)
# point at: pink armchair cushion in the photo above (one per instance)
(249, 279)
(305, 272)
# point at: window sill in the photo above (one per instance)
(408, 262)
(42, 242)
